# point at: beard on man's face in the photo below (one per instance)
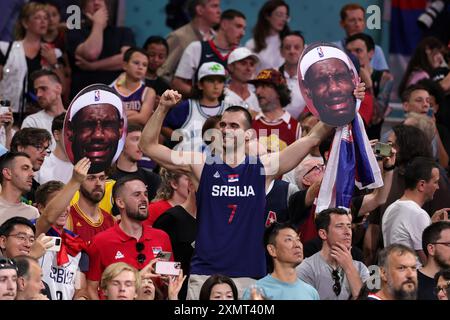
(95, 196)
(136, 214)
(443, 264)
(403, 294)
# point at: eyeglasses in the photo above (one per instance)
(443, 243)
(318, 167)
(444, 287)
(22, 237)
(337, 282)
(6, 263)
(140, 257)
(40, 148)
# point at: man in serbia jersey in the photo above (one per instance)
(231, 188)
(230, 204)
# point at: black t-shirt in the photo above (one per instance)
(158, 84)
(182, 230)
(151, 179)
(114, 38)
(426, 287)
(33, 65)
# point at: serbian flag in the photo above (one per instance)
(71, 244)
(352, 162)
(233, 178)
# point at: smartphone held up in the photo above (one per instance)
(382, 150)
(168, 268)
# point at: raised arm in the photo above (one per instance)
(149, 143)
(378, 197)
(278, 163)
(62, 200)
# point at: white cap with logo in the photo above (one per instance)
(211, 69)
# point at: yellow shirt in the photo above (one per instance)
(106, 202)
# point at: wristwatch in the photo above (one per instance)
(389, 168)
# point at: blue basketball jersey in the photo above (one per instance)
(230, 216)
(132, 101)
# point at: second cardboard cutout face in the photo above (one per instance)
(327, 78)
(95, 127)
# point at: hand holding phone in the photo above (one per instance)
(382, 149)
(56, 244)
(168, 268)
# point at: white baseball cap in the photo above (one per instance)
(241, 53)
(211, 69)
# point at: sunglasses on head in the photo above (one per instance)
(7, 264)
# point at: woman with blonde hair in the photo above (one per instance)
(172, 191)
(120, 281)
(25, 55)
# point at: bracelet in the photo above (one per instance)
(389, 168)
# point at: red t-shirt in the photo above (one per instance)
(289, 129)
(83, 226)
(155, 209)
(114, 245)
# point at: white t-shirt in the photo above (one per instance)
(295, 108)
(270, 57)
(61, 280)
(42, 120)
(403, 222)
(233, 99)
(9, 210)
(54, 168)
(189, 61)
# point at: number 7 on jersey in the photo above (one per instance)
(233, 208)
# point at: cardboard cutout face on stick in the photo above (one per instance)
(95, 127)
(327, 78)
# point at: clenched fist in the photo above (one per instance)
(169, 99)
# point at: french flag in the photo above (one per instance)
(352, 162)
(233, 178)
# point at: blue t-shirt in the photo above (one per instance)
(275, 289)
(230, 218)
